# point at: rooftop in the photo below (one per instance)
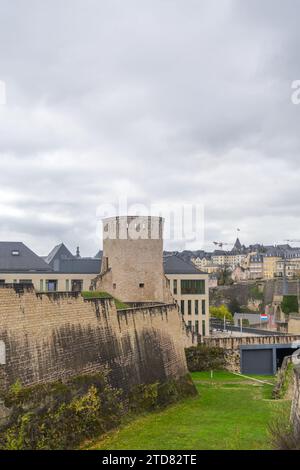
(175, 265)
(17, 257)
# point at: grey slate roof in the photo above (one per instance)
(58, 252)
(25, 261)
(175, 265)
(63, 261)
(237, 245)
(78, 266)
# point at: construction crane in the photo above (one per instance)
(221, 244)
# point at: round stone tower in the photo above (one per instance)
(132, 263)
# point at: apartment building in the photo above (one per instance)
(189, 287)
(228, 259)
(256, 264)
(270, 265)
(291, 267)
(205, 265)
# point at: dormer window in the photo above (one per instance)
(15, 253)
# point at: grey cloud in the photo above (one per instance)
(164, 101)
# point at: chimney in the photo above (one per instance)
(77, 252)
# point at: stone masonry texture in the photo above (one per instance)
(53, 336)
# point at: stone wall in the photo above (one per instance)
(54, 336)
(233, 360)
(293, 324)
(231, 346)
(295, 410)
(235, 343)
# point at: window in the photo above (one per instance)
(51, 285)
(15, 253)
(67, 285)
(197, 327)
(182, 307)
(192, 286)
(203, 308)
(175, 286)
(190, 325)
(114, 285)
(41, 285)
(203, 327)
(196, 307)
(189, 307)
(25, 281)
(141, 285)
(76, 285)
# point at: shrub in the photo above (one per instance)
(255, 293)
(61, 415)
(158, 395)
(220, 312)
(143, 397)
(282, 434)
(234, 306)
(285, 378)
(289, 304)
(203, 358)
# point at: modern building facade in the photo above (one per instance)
(59, 271)
(189, 287)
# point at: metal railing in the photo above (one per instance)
(221, 325)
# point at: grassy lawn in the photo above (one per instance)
(223, 376)
(229, 413)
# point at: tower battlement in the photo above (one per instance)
(133, 228)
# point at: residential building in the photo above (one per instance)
(270, 265)
(229, 259)
(205, 265)
(240, 274)
(189, 287)
(290, 266)
(219, 257)
(256, 263)
(212, 281)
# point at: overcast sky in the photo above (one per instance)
(161, 100)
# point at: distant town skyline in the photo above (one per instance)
(210, 247)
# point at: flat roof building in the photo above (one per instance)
(190, 289)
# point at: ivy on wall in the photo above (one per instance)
(62, 415)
